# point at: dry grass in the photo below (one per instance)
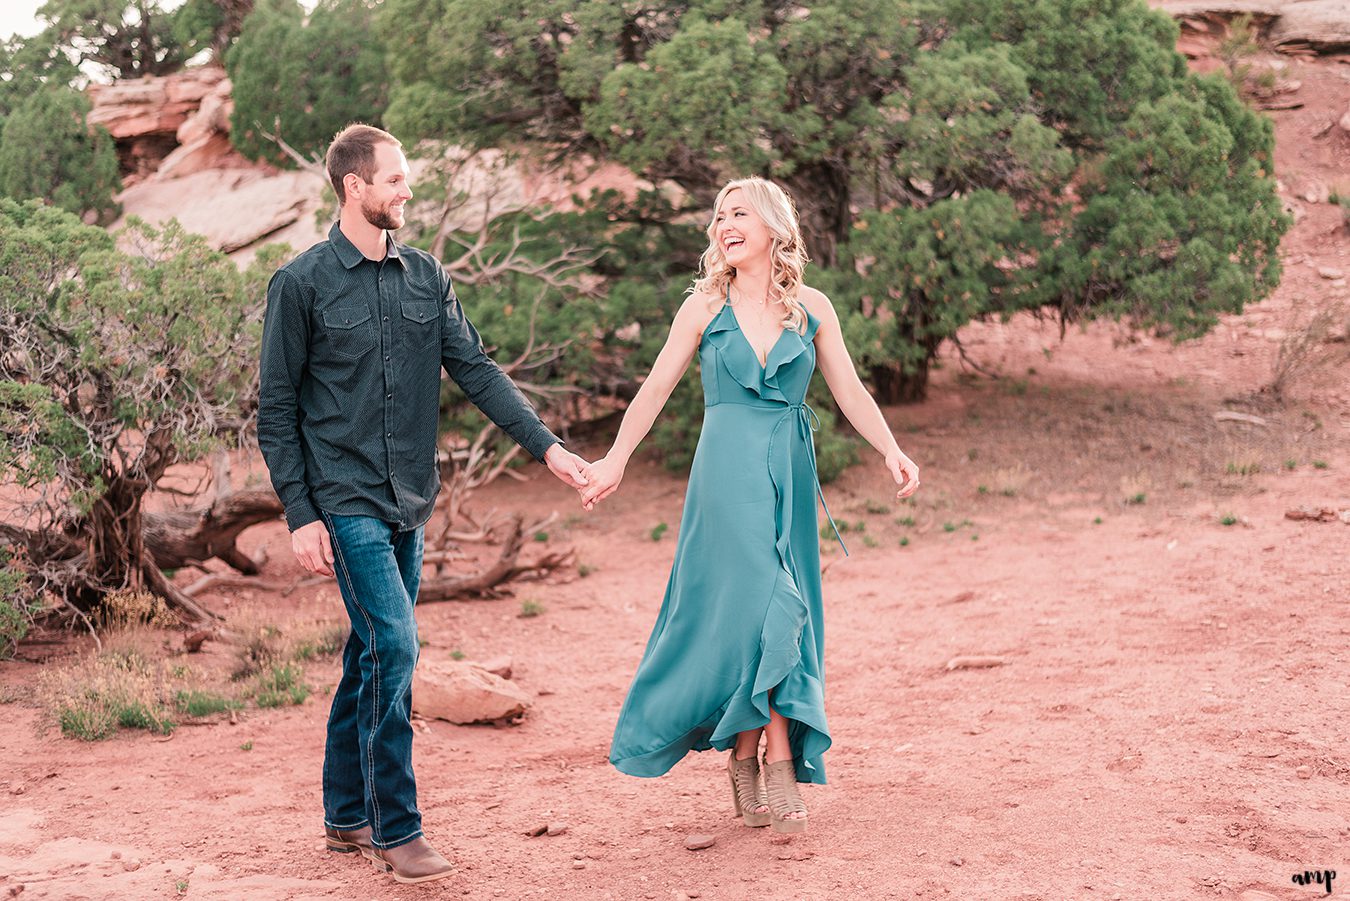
(94, 697)
(134, 683)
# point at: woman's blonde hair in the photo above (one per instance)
(787, 251)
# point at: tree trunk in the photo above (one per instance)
(821, 193)
(181, 537)
(892, 385)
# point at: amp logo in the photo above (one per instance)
(1315, 877)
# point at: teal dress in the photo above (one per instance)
(742, 614)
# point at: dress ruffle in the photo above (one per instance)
(725, 334)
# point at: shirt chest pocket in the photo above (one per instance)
(420, 321)
(349, 331)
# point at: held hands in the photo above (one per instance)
(605, 476)
(905, 472)
(313, 548)
(567, 466)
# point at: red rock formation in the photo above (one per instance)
(183, 117)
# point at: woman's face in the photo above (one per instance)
(739, 230)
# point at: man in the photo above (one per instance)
(357, 330)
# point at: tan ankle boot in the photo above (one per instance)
(345, 841)
(413, 862)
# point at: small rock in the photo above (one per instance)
(16, 890)
(975, 662)
(957, 861)
(1330, 272)
(461, 692)
(1345, 121)
(131, 864)
(1303, 772)
(578, 864)
(699, 842)
(556, 828)
(16, 790)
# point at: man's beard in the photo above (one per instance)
(380, 217)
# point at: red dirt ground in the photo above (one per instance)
(1168, 722)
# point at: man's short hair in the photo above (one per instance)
(353, 150)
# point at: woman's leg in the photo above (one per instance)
(747, 744)
(777, 747)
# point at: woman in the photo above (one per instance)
(736, 650)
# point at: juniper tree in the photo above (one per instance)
(302, 79)
(114, 365)
(951, 161)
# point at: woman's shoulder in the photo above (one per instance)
(814, 300)
(698, 311)
(702, 306)
(816, 303)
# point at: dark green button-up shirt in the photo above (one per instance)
(349, 400)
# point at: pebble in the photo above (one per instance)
(957, 861)
(1303, 772)
(699, 842)
(1330, 272)
(557, 828)
(975, 662)
(578, 864)
(16, 890)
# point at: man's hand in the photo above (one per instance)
(567, 466)
(313, 548)
(606, 474)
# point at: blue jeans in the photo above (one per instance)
(367, 764)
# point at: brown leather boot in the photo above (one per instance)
(345, 841)
(413, 862)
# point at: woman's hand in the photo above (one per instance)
(905, 472)
(603, 476)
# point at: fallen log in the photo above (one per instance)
(181, 537)
(490, 583)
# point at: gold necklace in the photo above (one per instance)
(762, 312)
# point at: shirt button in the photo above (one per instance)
(388, 397)
(386, 319)
(389, 434)
(386, 359)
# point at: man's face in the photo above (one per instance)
(383, 200)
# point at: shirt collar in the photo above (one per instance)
(350, 257)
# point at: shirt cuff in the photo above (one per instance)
(301, 514)
(539, 441)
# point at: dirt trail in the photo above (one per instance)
(1169, 721)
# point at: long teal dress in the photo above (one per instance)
(742, 614)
